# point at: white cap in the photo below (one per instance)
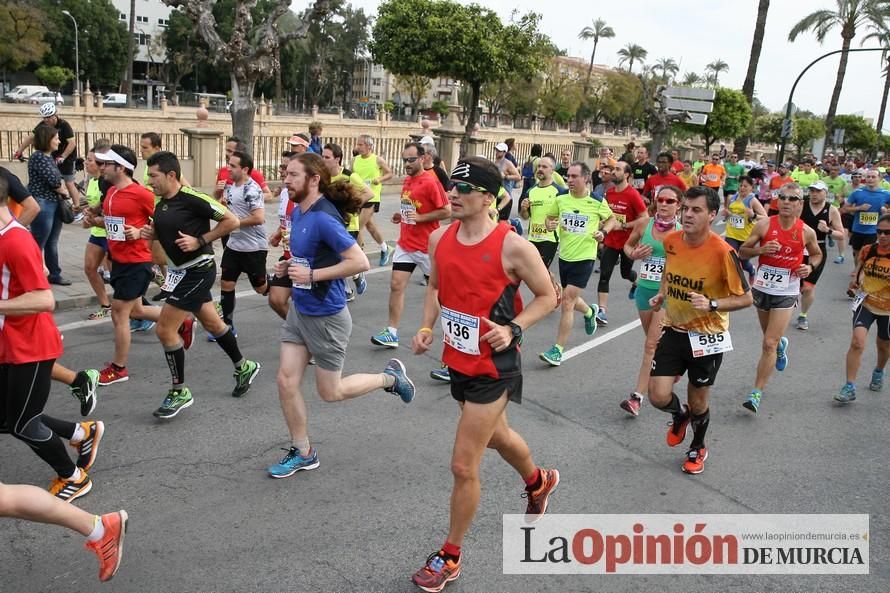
(500, 147)
(112, 157)
(428, 140)
(818, 185)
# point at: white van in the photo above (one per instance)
(21, 93)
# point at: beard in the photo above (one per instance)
(299, 194)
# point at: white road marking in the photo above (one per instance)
(598, 341)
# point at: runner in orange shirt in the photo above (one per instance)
(713, 173)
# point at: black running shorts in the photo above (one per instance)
(484, 390)
(673, 357)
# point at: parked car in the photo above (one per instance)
(46, 97)
(21, 93)
(115, 100)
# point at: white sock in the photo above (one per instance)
(384, 246)
(98, 531)
(79, 433)
(77, 475)
(394, 331)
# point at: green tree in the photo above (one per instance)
(806, 129)
(22, 35)
(622, 99)
(767, 129)
(54, 76)
(668, 68)
(599, 30)
(850, 16)
(715, 68)
(559, 96)
(631, 53)
(415, 87)
(440, 107)
(467, 43)
(884, 144)
(741, 144)
(691, 79)
(858, 134)
(730, 118)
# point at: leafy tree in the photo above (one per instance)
(730, 117)
(54, 76)
(768, 129)
(858, 134)
(715, 68)
(631, 53)
(884, 144)
(599, 30)
(691, 79)
(415, 86)
(849, 16)
(22, 35)
(559, 96)
(622, 99)
(741, 144)
(882, 37)
(668, 68)
(806, 129)
(522, 100)
(440, 107)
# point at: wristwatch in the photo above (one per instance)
(517, 333)
(713, 303)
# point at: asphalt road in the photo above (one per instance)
(205, 516)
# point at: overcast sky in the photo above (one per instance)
(678, 29)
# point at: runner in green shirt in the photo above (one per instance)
(733, 171)
(534, 208)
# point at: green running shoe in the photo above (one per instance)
(590, 322)
(176, 400)
(244, 377)
(84, 389)
(553, 357)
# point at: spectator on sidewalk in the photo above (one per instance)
(47, 186)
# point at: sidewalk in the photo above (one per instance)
(74, 238)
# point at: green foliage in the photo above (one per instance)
(559, 96)
(884, 144)
(621, 99)
(858, 133)
(440, 107)
(730, 118)
(54, 76)
(22, 35)
(767, 129)
(388, 106)
(413, 88)
(806, 129)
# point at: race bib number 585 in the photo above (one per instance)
(708, 344)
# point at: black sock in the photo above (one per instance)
(227, 301)
(673, 408)
(145, 302)
(117, 367)
(229, 343)
(699, 425)
(176, 362)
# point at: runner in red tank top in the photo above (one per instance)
(778, 242)
(482, 324)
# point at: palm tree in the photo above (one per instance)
(691, 79)
(715, 68)
(631, 53)
(849, 16)
(748, 87)
(710, 80)
(599, 30)
(668, 67)
(882, 37)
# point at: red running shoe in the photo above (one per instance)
(436, 573)
(110, 375)
(187, 332)
(695, 461)
(677, 428)
(537, 499)
(110, 549)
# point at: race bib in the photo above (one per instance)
(405, 207)
(621, 218)
(712, 177)
(114, 226)
(708, 344)
(639, 183)
(868, 218)
(574, 223)
(539, 232)
(652, 268)
(173, 278)
(461, 331)
(773, 278)
(736, 221)
(301, 261)
(858, 300)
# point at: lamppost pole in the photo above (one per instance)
(76, 50)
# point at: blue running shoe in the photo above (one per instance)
(553, 357)
(877, 380)
(846, 394)
(361, 285)
(839, 259)
(293, 462)
(441, 374)
(601, 318)
(403, 386)
(590, 322)
(141, 325)
(753, 401)
(632, 293)
(386, 338)
(386, 255)
(782, 354)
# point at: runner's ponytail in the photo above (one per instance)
(345, 196)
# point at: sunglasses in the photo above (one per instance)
(790, 198)
(467, 188)
(667, 200)
(409, 159)
(884, 231)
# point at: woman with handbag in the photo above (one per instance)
(48, 188)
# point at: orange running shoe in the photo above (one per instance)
(695, 461)
(67, 489)
(537, 499)
(677, 428)
(110, 549)
(89, 446)
(436, 573)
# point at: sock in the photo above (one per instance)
(450, 550)
(699, 425)
(589, 313)
(394, 331)
(804, 315)
(533, 481)
(77, 475)
(879, 371)
(175, 356)
(637, 395)
(118, 367)
(558, 347)
(673, 406)
(388, 381)
(229, 343)
(303, 445)
(227, 301)
(79, 433)
(98, 531)
(384, 246)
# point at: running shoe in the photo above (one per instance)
(78, 217)
(782, 354)
(386, 255)
(553, 357)
(877, 380)
(212, 338)
(106, 277)
(244, 376)
(158, 278)
(141, 325)
(753, 401)
(84, 389)
(851, 294)
(601, 318)
(100, 313)
(830, 240)
(110, 549)
(436, 573)
(187, 332)
(67, 489)
(590, 322)
(161, 296)
(386, 338)
(676, 433)
(537, 499)
(293, 462)
(176, 400)
(695, 460)
(110, 375)
(632, 404)
(425, 281)
(839, 259)
(846, 394)
(403, 386)
(516, 223)
(632, 293)
(361, 285)
(350, 296)
(88, 448)
(441, 374)
(802, 323)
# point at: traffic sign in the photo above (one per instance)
(688, 105)
(698, 119)
(685, 92)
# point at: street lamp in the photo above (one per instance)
(76, 50)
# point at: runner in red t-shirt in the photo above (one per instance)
(234, 143)
(627, 205)
(664, 176)
(127, 208)
(423, 204)
(29, 345)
